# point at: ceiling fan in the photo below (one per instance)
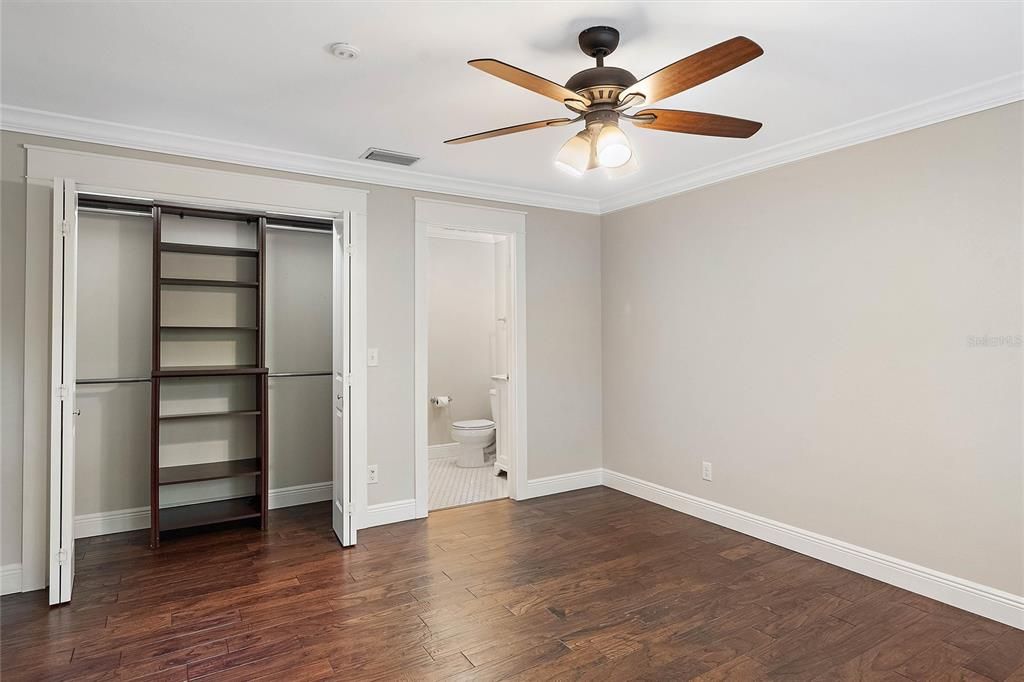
(600, 96)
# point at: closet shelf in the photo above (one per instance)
(222, 511)
(208, 250)
(190, 473)
(230, 283)
(208, 371)
(210, 327)
(223, 413)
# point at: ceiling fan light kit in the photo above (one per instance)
(601, 95)
(613, 148)
(575, 155)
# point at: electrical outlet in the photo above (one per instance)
(371, 474)
(705, 471)
(372, 357)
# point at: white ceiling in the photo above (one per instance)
(259, 74)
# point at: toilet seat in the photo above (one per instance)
(473, 425)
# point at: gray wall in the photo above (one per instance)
(563, 305)
(808, 331)
(12, 345)
(811, 330)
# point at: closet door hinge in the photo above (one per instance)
(62, 392)
(349, 250)
(62, 556)
(65, 228)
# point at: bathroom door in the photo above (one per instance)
(341, 381)
(64, 288)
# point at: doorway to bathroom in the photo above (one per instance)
(470, 354)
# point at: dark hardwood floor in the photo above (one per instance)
(587, 585)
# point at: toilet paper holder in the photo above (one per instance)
(441, 400)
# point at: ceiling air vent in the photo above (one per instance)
(384, 156)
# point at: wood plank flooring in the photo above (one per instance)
(592, 584)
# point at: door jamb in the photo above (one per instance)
(433, 213)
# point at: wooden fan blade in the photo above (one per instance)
(697, 123)
(525, 79)
(695, 69)
(509, 130)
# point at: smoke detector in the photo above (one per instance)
(343, 51)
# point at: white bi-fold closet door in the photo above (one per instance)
(310, 345)
(63, 316)
(101, 365)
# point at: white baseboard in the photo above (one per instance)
(10, 578)
(965, 594)
(137, 518)
(117, 521)
(442, 450)
(980, 599)
(390, 512)
(294, 495)
(562, 483)
(405, 510)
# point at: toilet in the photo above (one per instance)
(475, 436)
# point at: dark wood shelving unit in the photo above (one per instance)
(253, 468)
(192, 473)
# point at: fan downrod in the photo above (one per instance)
(598, 42)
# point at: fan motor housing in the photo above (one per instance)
(601, 84)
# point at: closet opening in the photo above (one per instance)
(209, 354)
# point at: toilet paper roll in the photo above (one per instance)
(441, 400)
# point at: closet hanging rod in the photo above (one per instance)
(115, 211)
(299, 229)
(115, 380)
(299, 374)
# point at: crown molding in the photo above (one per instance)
(51, 124)
(969, 100)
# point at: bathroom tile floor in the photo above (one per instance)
(451, 486)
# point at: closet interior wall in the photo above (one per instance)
(298, 310)
(114, 339)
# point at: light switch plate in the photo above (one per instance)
(372, 358)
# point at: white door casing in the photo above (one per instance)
(432, 214)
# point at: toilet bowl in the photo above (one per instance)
(472, 435)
